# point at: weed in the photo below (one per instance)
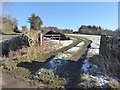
(9, 65)
(21, 73)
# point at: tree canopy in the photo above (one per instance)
(35, 22)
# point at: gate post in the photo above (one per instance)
(40, 39)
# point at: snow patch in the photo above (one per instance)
(85, 66)
(63, 56)
(93, 51)
(65, 43)
(54, 65)
(95, 45)
(80, 44)
(62, 43)
(73, 49)
(101, 79)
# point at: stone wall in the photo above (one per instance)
(110, 46)
(108, 59)
(15, 44)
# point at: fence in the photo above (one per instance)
(51, 36)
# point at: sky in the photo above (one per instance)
(69, 15)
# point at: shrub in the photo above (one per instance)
(50, 79)
(9, 65)
(21, 72)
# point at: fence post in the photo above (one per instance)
(41, 41)
(40, 37)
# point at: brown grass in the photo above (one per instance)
(33, 53)
(114, 85)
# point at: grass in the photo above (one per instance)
(115, 85)
(87, 82)
(50, 79)
(82, 50)
(21, 73)
(9, 65)
(34, 53)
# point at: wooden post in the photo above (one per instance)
(41, 39)
(59, 39)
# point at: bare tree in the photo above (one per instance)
(6, 11)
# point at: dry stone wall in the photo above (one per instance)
(110, 46)
(15, 44)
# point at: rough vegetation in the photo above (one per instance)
(50, 79)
